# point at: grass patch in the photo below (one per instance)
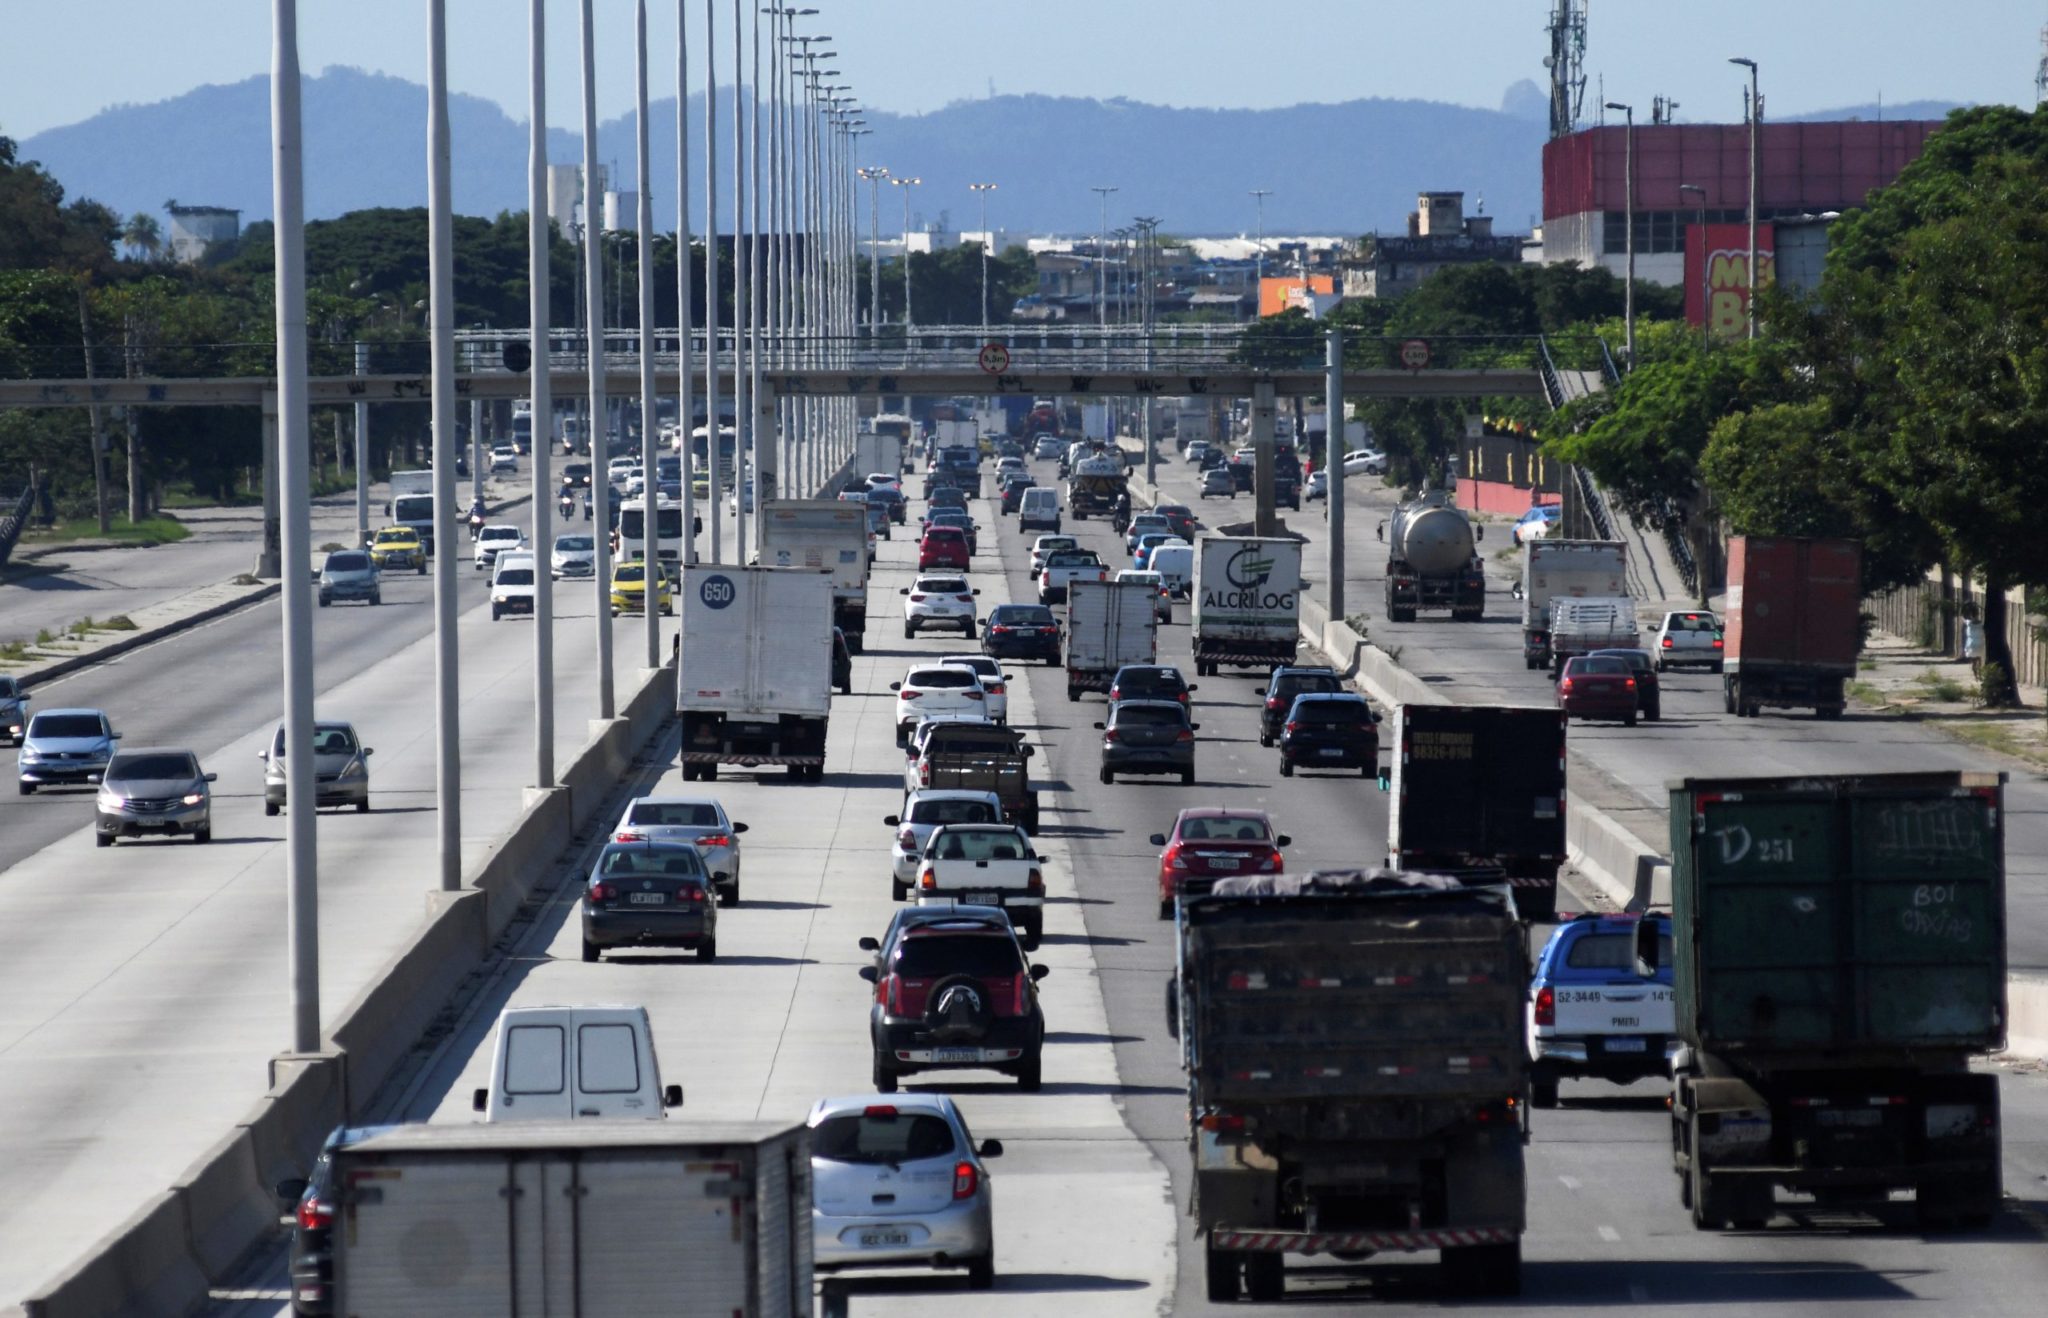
(1997, 737)
(13, 652)
(1945, 689)
(1866, 693)
(150, 531)
(44, 636)
(1866, 665)
(1357, 622)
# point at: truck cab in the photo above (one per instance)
(575, 1063)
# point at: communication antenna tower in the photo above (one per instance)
(1567, 64)
(2041, 72)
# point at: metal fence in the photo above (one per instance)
(1914, 613)
(14, 515)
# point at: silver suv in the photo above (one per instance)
(341, 768)
(65, 747)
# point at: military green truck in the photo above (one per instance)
(1356, 1075)
(1839, 950)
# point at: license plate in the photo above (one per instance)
(956, 1054)
(878, 1239)
(984, 899)
(648, 898)
(1627, 1046)
(1331, 750)
(1222, 863)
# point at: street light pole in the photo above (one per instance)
(1101, 261)
(1260, 194)
(643, 219)
(1629, 189)
(686, 402)
(874, 174)
(714, 440)
(538, 232)
(1706, 279)
(906, 184)
(982, 190)
(441, 314)
(1755, 117)
(600, 431)
(742, 302)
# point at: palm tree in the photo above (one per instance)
(144, 236)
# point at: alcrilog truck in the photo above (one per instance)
(1355, 1067)
(1839, 959)
(1247, 602)
(754, 680)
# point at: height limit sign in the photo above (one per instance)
(994, 358)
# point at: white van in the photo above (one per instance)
(1039, 509)
(1175, 565)
(630, 540)
(512, 584)
(575, 1063)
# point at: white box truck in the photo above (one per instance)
(1247, 602)
(824, 535)
(1109, 624)
(574, 1218)
(754, 684)
(878, 451)
(412, 504)
(1565, 569)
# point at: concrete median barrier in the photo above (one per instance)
(226, 1204)
(145, 1265)
(507, 877)
(379, 1027)
(1602, 849)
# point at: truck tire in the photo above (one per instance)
(1542, 1088)
(1265, 1277)
(1031, 815)
(1073, 693)
(1219, 1271)
(884, 1076)
(1108, 776)
(1484, 1270)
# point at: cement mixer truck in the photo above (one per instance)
(1433, 560)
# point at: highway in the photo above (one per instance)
(1089, 1196)
(143, 988)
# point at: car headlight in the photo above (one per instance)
(195, 798)
(499, 599)
(110, 800)
(354, 769)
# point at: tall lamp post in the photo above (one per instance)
(1260, 194)
(1706, 276)
(1629, 190)
(1755, 117)
(874, 174)
(1101, 255)
(906, 184)
(982, 190)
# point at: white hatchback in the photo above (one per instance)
(1043, 548)
(494, 540)
(898, 1182)
(994, 683)
(936, 689)
(938, 601)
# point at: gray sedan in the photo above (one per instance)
(1148, 736)
(341, 768)
(153, 791)
(699, 821)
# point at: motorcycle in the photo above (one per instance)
(568, 506)
(1120, 520)
(476, 524)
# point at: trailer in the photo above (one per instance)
(754, 681)
(1247, 602)
(824, 535)
(1109, 624)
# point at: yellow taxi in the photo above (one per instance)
(396, 547)
(700, 483)
(629, 588)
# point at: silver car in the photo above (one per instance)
(698, 820)
(924, 809)
(897, 1181)
(350, 574)
(65, 747)
(13, 710)
(153, 791)
(341, 769)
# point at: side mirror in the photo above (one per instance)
(289, 1191)
(895, 686)
(870, 945)
(211, 777)
(1194, 686)
(672, 1096)
(1039, 972)
(893, 821)
(1648, 938)
(721, 876)
(870, 974)
(1386, 780)
(991, 1149)
(739, 828)
(977, 590)
(1101, 726)
(1283, 841)
(904, 591)
(478, 1099)
(369, 750)
(1029, 752)
(1194, 727)
(1158, 839)
(115, 736)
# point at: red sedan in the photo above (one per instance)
(1598, 688)
(1213, 842)
(942, 546)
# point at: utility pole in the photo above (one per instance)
(686, 402)
(1629, 191)
(906, 184)
(982, 190)
(1755, 107)
(1706, 276)
(1101, 262)
(1334, 443)
(600, 422)
(1260, 194)
(643, 220)
(874, 174)
(714, 438)
(538, 232)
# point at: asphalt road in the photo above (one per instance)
(1482, 663)
(143, 988)
(1089, 1196)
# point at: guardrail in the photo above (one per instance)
(14, 514)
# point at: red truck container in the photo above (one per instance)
(1793, 626)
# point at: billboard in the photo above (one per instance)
(1717, 275)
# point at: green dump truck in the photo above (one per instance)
(1839, 948)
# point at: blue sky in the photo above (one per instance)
(63, 60)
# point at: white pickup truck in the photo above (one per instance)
(1063, 568)
(986, 865)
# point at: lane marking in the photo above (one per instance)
(1609, 1234)
(1570, 1182)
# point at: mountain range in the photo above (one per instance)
(1345, 168)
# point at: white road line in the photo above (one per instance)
(1570, 1182)
(1609, 1234)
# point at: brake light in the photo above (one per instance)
(629, 837)
(1273, 702)
(1629, 682)
(1174, 860)
(315, 1214)
(1294, 726)
(879, 1110)
(1717, 642)
(1110, 734)
(1667, 642)
(1565, 685)
(1036, 883)
(693, 896)
(1001, 629)
(974, 694)
(928, 879)
(1113, 694)
(1223, 1124)
(907, 839)
(1186, 734)
(601, 892)
(910, 693)
(1546, 1006)
(715, 840)
(1273, 862)
(965, 599)
(924, 777)
(917, 599)
(995, 689)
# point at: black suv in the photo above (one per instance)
(1287, 683)
(310, 1205)
(951, 993)
(1330, 732)
(1149, 682)
(1014, 486)
(1021, 631)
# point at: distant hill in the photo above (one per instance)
(1346, 168)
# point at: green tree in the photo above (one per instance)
(143, 236)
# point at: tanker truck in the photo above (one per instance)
(1433, 560)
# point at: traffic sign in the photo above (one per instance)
(1415, 353)
(995, 358)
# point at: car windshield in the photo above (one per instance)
(630, 572)
(1340, 712)
(1149, 715)
(65, 725)
(882, 1136)
(1224, 828)
(516, 576)
(1616, 951)
(349, 562)
(680, 861)
(674, 814)
(952, 812)
(393, 537)
(978, 844)
(1598, 668)
(933, 956)
(1023, 616)
(935, 677)
(8, 689)
(168, 764)
(1692, 622)
(941, 584)
(574, 544)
